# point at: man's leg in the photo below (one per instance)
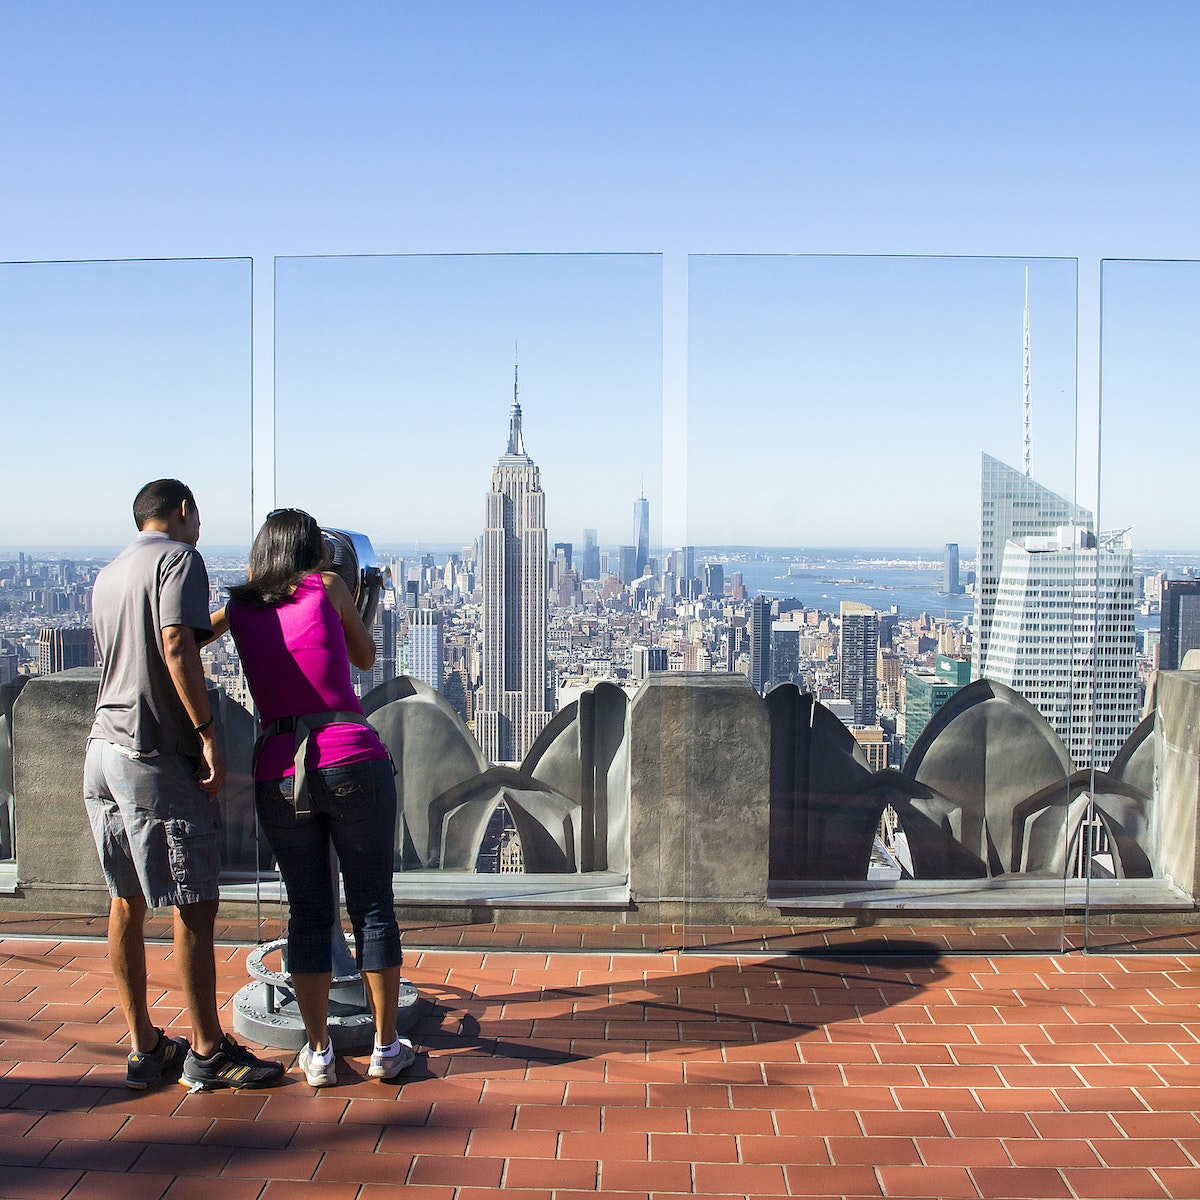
(214, 1061)
(127, 907)
(197, 967)
(127, 956)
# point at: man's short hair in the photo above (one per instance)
(159, 499)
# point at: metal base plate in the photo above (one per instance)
(265, 1010)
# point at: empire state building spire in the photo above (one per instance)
(516, 443)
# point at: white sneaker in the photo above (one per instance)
(318, 1067)
(388, 1061)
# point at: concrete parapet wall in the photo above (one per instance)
(690, 765)
(694, 836)
(51, 719)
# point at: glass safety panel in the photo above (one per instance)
(874, 693)
(489, 429)
(112, 374)
(1141, 803)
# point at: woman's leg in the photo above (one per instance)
(383, 994)
(362, 824)
(301, 848)
(312, 995)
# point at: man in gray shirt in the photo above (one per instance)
(152, 776)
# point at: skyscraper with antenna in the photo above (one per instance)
(513, 706)
(641, 531)
(1054, 603)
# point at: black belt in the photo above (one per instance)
(302, 725)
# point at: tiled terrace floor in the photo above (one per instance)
(551, 1075)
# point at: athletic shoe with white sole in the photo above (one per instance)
(229, 1066)
(388, 1061)
(318, 1067)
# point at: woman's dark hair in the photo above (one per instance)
(288, 547)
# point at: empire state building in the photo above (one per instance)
(512, 707)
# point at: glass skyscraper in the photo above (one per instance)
(641, 533)
(1063, 636)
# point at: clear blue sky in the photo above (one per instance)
(1022, 130)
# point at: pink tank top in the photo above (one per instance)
(294, 656)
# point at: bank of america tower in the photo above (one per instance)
(512, 706)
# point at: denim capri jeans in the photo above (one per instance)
(354, 810)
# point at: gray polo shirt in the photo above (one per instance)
(153, 583)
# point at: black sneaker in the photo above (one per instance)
(230, 1066)
(160, 1065)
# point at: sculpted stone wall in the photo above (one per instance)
(8, 694)
(1176, 743)
(696, 791)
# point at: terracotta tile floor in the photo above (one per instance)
(556, 1074)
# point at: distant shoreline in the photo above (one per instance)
(820, 556)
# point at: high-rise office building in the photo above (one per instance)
(641, 532)
(628, 569)
(858, 660)
(682, 561)
(714, 580)
(1011, 505)
(760, 643)
(873, 742)
(426, 646)
(8, 661)
(1179, 623)
(567, 590)
(1062, 634)
(926, 691)
(646, 660)
(63, 649)
(591, 555)
(950, 581)
(513, 703)
(385, 635)
(785, 652)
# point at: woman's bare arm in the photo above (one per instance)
(359, 645)
(220, 627)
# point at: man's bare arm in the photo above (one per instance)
(182, 657)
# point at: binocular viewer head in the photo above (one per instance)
(352, 556)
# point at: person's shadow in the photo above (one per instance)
(706, 1006)
(714, 1006)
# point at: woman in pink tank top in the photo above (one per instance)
(298, 631)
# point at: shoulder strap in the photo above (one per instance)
(303, 726)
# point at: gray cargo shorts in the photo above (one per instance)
(157, 831)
